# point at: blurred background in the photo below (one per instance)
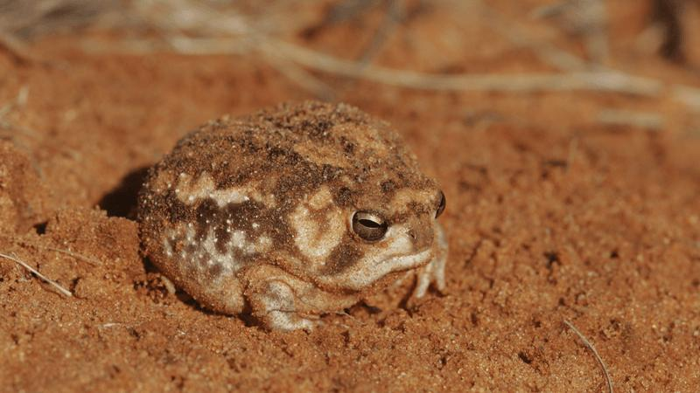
(134, 76)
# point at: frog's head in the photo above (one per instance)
(374, 214)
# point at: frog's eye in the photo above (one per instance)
(369, 226)
(441, 206)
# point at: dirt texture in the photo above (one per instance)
(556, 212)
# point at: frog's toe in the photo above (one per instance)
(423, 280)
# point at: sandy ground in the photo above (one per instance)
(552, 216)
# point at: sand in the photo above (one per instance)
(552, 216)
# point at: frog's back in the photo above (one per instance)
(286, 141)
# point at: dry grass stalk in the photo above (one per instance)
(595, 354)
(14, 48)
(18, 102)
(390, 22)
(614, 117)
(598, 81)
(24, 20)
(10, 128)
(606, 80)
(521, 37)
(73, 255)
(301, 77)
(70, 253)
(602, 80)
(689, 96)
(36, 272)
(226, 31)
(585, 18)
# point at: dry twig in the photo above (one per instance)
(602, 80)
(606, 80)
(301, 77)
(585, 18)
(73, 255)
(19, 102)
(14, 48)
(80, 257)
(393, 15)
(520, 36)
(70, 253)
(27, 19)
(615, 117)
(36, 272)
(233, 33)
(595, 353)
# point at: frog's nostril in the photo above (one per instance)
(420, 237)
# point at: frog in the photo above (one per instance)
(292, 213)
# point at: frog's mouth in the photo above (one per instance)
(369, 271)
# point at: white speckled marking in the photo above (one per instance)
(185, 236)
(189, 192)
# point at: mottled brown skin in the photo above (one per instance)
(287, 180)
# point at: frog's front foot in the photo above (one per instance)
(273, 304)
(434, 272)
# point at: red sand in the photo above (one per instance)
(551, 217)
